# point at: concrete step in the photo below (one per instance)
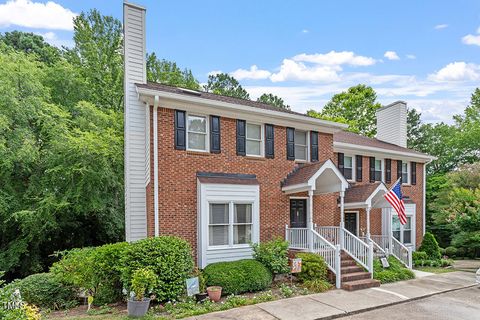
(351, 269)
(354, 276)
(347, 263)
(360, 284)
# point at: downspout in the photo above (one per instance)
(155, 166)
(424, 200)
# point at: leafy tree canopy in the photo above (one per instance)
(226, 85)
(273, 100)
(167, 72)
(29, 42)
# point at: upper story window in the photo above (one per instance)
(197, 135)
(348, 167)
(405, 173)
(301, 145)
(254, 137)
(378, 169)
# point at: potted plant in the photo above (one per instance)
(202, 295)
(214, 293)
(143, 281)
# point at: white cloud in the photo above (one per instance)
(411, 56)
(52, 38)
(298, 71)
(471, 39)
(457, 71)
(254, 73)
(25, 13)
(305, 31)
(391, 55)
(440, 26)
(214, 72)
(334, 58)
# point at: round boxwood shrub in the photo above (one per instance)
(451, 252)
(430, 247)
(238, 276)
(313, 267)
(168, 256)
(45, 291)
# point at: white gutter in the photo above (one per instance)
(425, 196)
(155, 165)
(236, 108)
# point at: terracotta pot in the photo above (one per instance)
(214, 293)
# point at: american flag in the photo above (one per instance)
(395, 198)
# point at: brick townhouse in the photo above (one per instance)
(223, 172)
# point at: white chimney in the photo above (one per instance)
(392, 123)
(137, 164)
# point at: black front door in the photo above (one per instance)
(351, 222)
(298, 213)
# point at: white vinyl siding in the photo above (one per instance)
(301, 145)
(197, 133)
(254, 137)
(392, 124)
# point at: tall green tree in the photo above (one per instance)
(414, 129)
(225, 85)
(167, 72)
(98, 56)
(31, 43)
(273, 100)
(357, 106)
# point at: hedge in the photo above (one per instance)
(169, 257)
(430, 247)
(238, 276)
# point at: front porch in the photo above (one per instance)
(338, 244)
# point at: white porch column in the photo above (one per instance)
(310, 220)
(368, 222)
(390, 231)
(342, 219)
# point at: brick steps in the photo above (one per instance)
(355, 277)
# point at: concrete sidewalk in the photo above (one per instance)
(339, 303)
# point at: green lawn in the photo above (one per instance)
(435, 269)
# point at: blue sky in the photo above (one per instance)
(426, 53)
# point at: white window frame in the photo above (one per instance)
(209, 224)
(353, 166)
(307, 146)
(382, 169)
(412, 216)
(262, 139)
(207, 132)
(408, 172)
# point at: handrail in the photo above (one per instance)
(330, 233)
(381, 241)
(297, 237)
(359, 250)
(402, 253)
(331, 254)
(376, 246)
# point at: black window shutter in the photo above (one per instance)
(180, 133)
(388, 170)
(269, 141)
(215, 134)
(341, 162)
(241, 138)
(399, 169)
(372, 169)
(359, 164)
(290, 144)
(313, 146)
(413, 173)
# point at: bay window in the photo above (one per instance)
(197, 133)
(254, 138)
(230, 224)
(301, 145)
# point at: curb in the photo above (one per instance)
(351, 313)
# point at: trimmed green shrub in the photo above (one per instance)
(273, 255)
(238, 276)
(418, 257)
(430, 246)
(45, 291)
(451, 252)
(96, 270)
(314, 267)
(461, 252)
(395, 272)
(169, 257)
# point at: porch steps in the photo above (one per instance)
(355, 277)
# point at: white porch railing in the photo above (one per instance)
(304, 238)
(382, 242)
(358, 249)
(331, 234)
(402, 253)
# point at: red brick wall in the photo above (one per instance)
(414, 192)
(178, 184)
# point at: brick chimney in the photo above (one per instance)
(392, 123)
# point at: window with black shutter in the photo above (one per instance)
(180, 133)
(215, 134)
(269, 141)
(290, 144)
(359, 165)
(399, 169)
(372, 169)
(241, 138)
(340, 162)
(388, 170)
(313, 146)
(413, 172)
